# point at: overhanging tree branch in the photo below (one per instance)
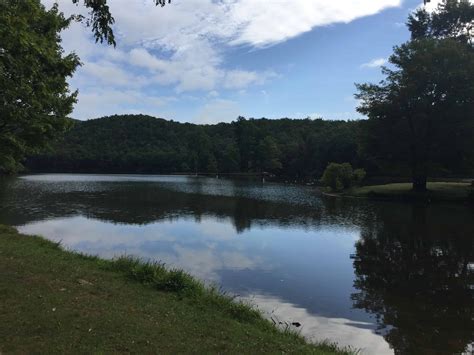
(101, 19)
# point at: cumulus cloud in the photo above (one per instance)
(109, 73)
(184, 46)
(374, 63)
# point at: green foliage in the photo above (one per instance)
(157, 275)
(268, 155)
(341, 176)
(453, 19)
(420, 116)
(144, 144)
(34, 92)
(437, 192)
(358, 176)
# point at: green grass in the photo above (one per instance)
(54, 300)
(437, 191)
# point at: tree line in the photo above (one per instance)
(300, 149)
(145, 144)
(420, 117)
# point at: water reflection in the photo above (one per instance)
(407, 288)
(201, 249)
(129, 202)
(358, 334)
(414, 272)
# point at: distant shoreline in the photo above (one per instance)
(459, 192)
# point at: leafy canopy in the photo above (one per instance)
(453, 19)
(421, 114)
(33, 71)
(300, 149)
(34, 94)
(341, 176)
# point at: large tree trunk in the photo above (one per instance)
(419, 183)
(418, 172)
(419, 176)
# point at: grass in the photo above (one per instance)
(54, 300)
(437, 191)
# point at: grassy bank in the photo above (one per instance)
(58, 301)
(437, 192)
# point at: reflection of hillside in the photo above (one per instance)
(414, 273)
(413, 264)
(144, 203)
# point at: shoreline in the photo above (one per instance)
(56, 300)
(438, 192)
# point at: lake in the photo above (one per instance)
(380, 276)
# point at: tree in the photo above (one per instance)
(34, 94)
(453, 19)
(341, 176)
(200, 143)
(33, 71)
(229, 158)
(247, 135)
(268, 155)
(421, 115)
(296, 149)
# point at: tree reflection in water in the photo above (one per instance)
(413, 264)
(414, 273)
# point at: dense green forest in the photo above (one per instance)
(419, 117)
(144, 144)
(296, 148)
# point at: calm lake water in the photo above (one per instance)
(379, 276)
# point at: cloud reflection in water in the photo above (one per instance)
(260, 261)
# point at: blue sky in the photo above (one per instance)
(207, 61)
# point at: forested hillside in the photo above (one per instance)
(144, 144)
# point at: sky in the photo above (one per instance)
(209, 61)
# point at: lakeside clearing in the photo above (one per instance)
(60, 301)
(437, 192)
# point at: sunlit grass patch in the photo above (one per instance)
(436, 191)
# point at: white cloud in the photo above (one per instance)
(374, 63)
(218, 110)
(260, 23)
(213, 94)
(99, 101)
(140, 57)
(239, 79)
(110, 73)
(185, 45)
